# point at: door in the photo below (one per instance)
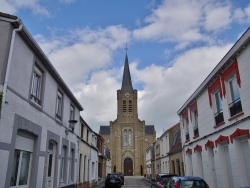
(246, 153)
(49, 180)
(128, 167)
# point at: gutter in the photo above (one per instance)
(9, 63)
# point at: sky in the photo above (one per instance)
(173, 45)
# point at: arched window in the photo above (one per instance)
(130, 137)
(125, 137)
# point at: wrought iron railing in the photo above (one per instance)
(235, 107)
(218, 117)
(196, 131)
(187, 137)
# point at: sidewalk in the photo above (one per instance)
(147, 179)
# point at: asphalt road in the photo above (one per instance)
(132, 182)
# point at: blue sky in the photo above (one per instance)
(172, 47)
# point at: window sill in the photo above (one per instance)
(187, 141)
(197, 136)
(219, 124)
(235, 116)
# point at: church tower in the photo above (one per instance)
(128, 137)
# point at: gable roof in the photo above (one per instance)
(16, 22)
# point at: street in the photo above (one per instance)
(133, 181)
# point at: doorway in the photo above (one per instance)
(128, 167)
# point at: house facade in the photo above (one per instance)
(149, 161)
(176, 164)
(40, 116)
(93, 170)
(84, 154)
(164, 148)
(215, 122)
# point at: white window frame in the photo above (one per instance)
(194, 118)
(231, 96)
(59, 104)
(217, 99)
(19, 168)
(72, 112)
(63, 163)
(36, 86)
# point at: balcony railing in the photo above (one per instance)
(235, 107)
(218, 117)
(196, 131)
(187, 137)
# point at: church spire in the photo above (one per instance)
(126, 81)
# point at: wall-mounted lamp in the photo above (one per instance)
(66, 131)
(72, 123)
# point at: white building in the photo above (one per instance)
(164, 149)
(215, 122)
(84, 154)
(148, 161)
(93, 170)
(38, 145)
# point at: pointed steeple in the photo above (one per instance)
(126, 81)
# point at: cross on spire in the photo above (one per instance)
(126, 48)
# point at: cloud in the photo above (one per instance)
(165, 89)
(79, 52)
(13, 6)
(172, 21)
(66, 1)
(191, 21)
(220, 13)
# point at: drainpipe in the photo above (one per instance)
(8, 65)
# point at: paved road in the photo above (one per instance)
(133, 181)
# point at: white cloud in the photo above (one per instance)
(190, 21)
(166, 89)
(13, 6)
(83, 51)
(217, 17)
(173, 21)
(66, 1)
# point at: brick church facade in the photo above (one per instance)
(128, 137)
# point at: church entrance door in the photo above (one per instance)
(128, 167)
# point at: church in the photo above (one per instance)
(128, 137)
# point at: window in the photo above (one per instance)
(36, 87)
(72, 113)
(93, 170)
(21, 168)
(82, 126)
(195, 122)
(130, 137)
(218, 115)
(130, 109)
(235, 105)
(125, 137)
(63, 161)
(59, 106)
(186, 128)
(124, 107)
(72, 165)
(72, 117)
(175, 138)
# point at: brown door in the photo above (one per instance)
(128, 167)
